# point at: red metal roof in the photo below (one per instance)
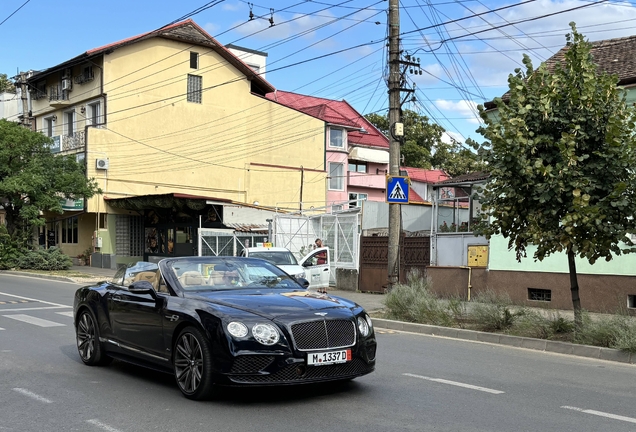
(203, 38)
(426, 175)
(414, 197)
(335, 112)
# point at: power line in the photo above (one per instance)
(14, 12)
(442, 42)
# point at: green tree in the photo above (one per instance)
(562, 160)
(423, 146)
(457, 159)
(32, 179)
(6, 84)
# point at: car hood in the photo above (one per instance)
(291, 269)
(277, 303)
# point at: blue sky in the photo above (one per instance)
(464, 63)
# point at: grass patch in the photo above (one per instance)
(494, 312)
(66, 273)
(414, 302)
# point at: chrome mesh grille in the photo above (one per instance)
(323, 334)
(251, 363)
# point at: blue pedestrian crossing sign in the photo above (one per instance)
(397, 190)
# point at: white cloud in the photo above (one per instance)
(463, 108)
(232, 7)
(211, 28)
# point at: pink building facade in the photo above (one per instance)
(356, 153)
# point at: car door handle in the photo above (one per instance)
(327, 269)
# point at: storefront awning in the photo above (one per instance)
(369, 155)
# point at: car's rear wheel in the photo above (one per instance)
(192, 363)
(88, 345)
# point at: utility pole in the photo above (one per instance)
(26, 120)
(397, 85)
(394, 144)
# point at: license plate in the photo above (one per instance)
(328, 357)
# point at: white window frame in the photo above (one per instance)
(72, 123)
(90, 107)
(343, 140)
(335, 176)
(359, 197)
(46, 121)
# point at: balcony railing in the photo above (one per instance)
(63, 143)
(73, 142)
(375, 181)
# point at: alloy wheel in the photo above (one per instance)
(86, 336)
(188, 363)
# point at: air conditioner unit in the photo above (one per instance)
(67, 84)
(101, 164)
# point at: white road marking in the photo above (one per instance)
(1, 328)
(101, 425)
(68, 314)
(33, 320)
(34, 308)
(602, 414)
(455, 383)
(32, 395)
(35, 300)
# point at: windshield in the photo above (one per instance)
(276, 257)
(227, 273)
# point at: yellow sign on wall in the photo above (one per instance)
(478, 256)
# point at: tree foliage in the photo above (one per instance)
(423, 146)
(562, 160)
(32, 179)
(6, 84)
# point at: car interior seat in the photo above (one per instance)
(192, 278)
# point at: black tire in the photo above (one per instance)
(87, 336)
(192, 362)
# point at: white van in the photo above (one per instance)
(314, 266)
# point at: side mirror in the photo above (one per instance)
(303, 282)
(142, 287)
(307, 263)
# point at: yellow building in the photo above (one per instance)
(174, 128)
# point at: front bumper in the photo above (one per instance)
(262, 369)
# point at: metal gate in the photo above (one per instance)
(338, 231)
(216, 242)
(373, 276)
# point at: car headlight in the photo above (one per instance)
(368, 318)
(300, 275)
(237, 329)
(266, 334)
(363, 326)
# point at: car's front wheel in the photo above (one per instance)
(192, 363)
(88, 345)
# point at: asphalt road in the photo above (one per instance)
(422, 383)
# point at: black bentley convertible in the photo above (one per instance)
(222, 320)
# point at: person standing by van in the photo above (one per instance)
(322, 256)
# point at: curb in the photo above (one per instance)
(594, 352)
(38, 275)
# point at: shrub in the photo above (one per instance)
(10, 253)
(414, 302)
(614, 331)
(44, 259)
(491, 311)
(537, 324)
